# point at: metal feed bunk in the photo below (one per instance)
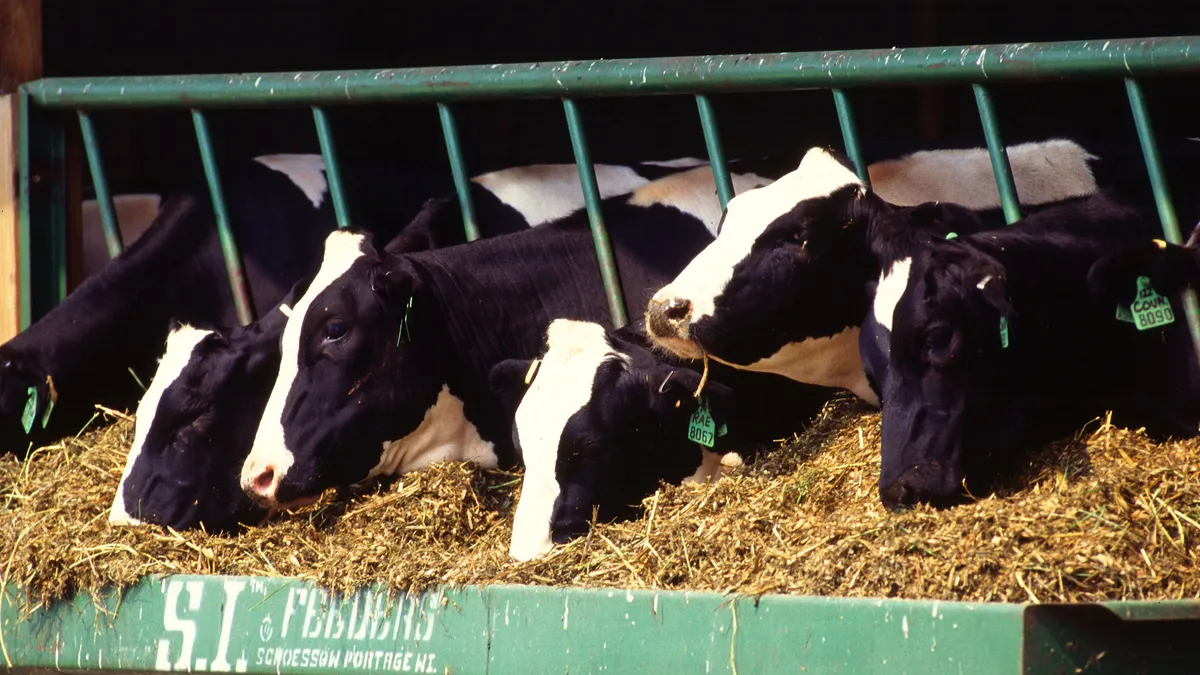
(275, 625)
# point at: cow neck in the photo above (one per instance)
(492, 298)
(123, 312)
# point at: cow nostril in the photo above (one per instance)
(264, 479)
(678, 309)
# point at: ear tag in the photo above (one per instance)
(1123, 314)
(404, 329)
(701, 427)
(724, 429)
(30, 410)
(51, 402)
(952, 235)
(1003, 332)
(1150, 310)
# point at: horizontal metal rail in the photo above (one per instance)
(636, 77)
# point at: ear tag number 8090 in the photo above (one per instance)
(1149, 309)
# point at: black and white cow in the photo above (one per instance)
(787, 284)
(603, 421)
(386, 357)
(196, 423)
(83, 351)
(998, 344)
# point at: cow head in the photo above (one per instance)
(196, 423)
(948, 413)
(601, 425)
(785, 285)
(339, 396)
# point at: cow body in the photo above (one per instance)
(387, 357)
(196, 423)
(787, 285)
(997, 344)
(605, 421)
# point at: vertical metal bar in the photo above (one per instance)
(850, 135)
(1162, 196)
(591, 197)
(998, 155)
(43, 211)
(333, 170)
(233, 262)
(716, 154)
(108, 213)
(458, 168)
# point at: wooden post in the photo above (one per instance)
(20, 61)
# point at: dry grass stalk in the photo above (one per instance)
(1106, 516)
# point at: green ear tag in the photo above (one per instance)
(1123, 314)
(701, 427)
(952, 235)
(46, 415)
(1150, 310)
(723, 430)
(30, 410)
(1003, 333)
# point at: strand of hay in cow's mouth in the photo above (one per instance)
(1107, 516)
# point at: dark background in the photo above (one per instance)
(156, 151)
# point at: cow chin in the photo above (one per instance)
(681, 347)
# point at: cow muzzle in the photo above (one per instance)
(260, 481)
(923, 485)
(668, 320)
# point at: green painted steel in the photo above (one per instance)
(458, 169)
(850, 135)
(591, 197)
(716, 154)
(108, 213)
(333, 169)
(1162, 197)
(275, 625)
(42, 212)
(233, 262)
(628, 77)
(998, 154)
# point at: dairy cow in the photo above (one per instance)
(999, 343)
(386, 357)
(786, 286)
(197, 420)
(602, 421)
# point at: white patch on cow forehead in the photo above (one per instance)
(694, 192)
(545, 192)
(563, 386)
(180, 344)
(826, 361)
(342, 248)
(306, 171)
(819, 175)
(444, 435)
(891, 286)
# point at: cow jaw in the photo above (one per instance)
(561, 387)
(445, 434)
(180, 344)
(270, 457)
(692, 296)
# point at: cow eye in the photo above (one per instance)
(336, 330)
(937, 340)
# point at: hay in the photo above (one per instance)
(1108, 515)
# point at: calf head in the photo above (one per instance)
(602, 424)
(353, 375)
(947, 412)
(196, 423)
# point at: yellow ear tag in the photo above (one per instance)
(533, 368)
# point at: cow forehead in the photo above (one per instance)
(820, 174)
(341, 250)
(561, 387)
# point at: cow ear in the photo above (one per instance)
(509, 379)
(1113, 278)
(394, 279)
